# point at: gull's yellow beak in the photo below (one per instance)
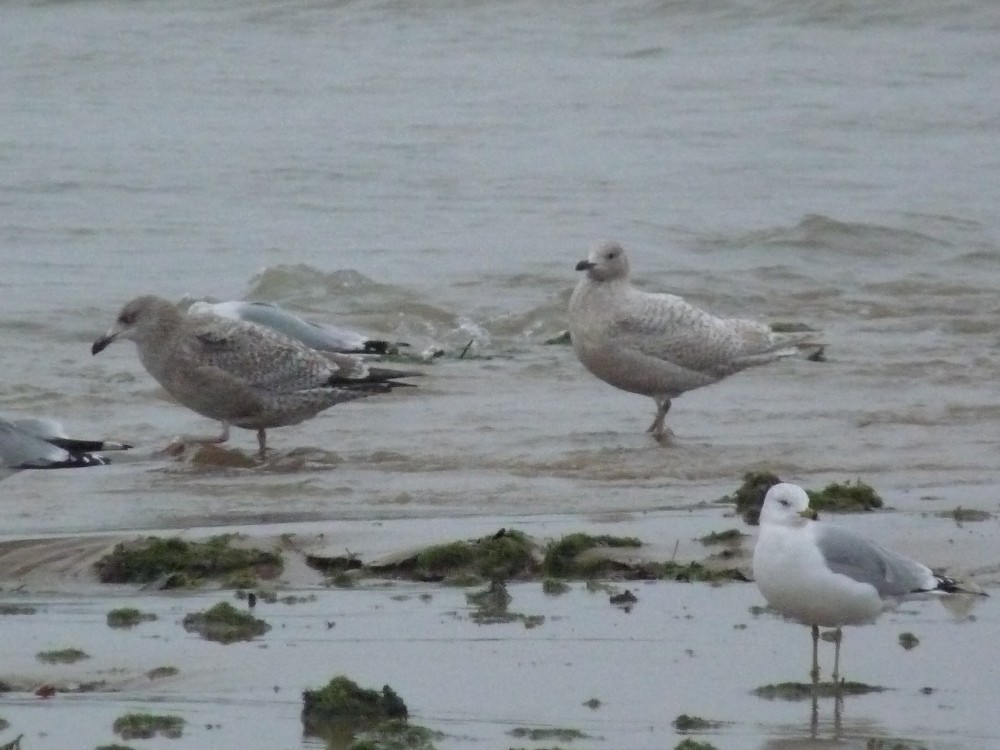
(809, 513)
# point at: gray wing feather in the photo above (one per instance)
(891, 574)
(22, 449)
(666, 327)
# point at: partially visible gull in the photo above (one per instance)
(825, 575)
(42, 444)
(241, 374)
(319, 336)
(658, 345)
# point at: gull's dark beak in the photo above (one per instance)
(585, 265)
(101, 344)
(809, 513)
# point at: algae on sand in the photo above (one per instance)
(504, 555)
(836, 497)
(149, 559)
(797, 691)
(540, 734)
(342, 711)
(144, 726)
(128, 617)
(62, 656)
(688, 723)
(562, 556)
(224, 623)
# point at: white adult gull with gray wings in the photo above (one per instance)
(658, 345)
(319, 336)
(827, 576)
(239, 373)
(43, 444)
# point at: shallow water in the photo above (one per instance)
(433, 174)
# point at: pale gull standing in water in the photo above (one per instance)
(658, 345)
(239, 373)
(320, 336)
(824, 575)
(42, 444)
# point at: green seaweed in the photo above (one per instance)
(554, 586)
(593, 703)
(541, 734)
(342, 709)
(501, 556)
(688, 723)
(158, 673)
(4, 725)
(729, 536)
(881, 743)
(114, 746)
(908, 641)
(836, 497)
(749, 496)
(62, 656)
(395, 734)
(17, 609)
(845, 497)
(797, 691)
(692, 744)
(144, 726)
(152, 558)
(695, 572)
(966, 515)
(224, 623)
(128, 617)
(562, 556)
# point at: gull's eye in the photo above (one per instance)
(127, 318)
(784, 502)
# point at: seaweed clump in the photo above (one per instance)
(62, 656)
(501, 556)
(749, 496)
(688, 723)
(128, 617)
(836, 497)
(691, 744)
(845, 497)
(541, 734)
(797, 691)
(565, 557)
(145, 726)
(343, 711)
(153, 558)
(224, 623)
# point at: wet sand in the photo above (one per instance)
(689, 648)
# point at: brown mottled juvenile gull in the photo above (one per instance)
(658, 345)
(239, 373)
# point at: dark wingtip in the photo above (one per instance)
(951, 586)
(75, 461)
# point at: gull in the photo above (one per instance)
(319, 336)
(43, 444)
(827, 576)
(239, 373)
(658, 345)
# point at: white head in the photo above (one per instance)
(605, 262)
(138, 320)
(786, 505)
